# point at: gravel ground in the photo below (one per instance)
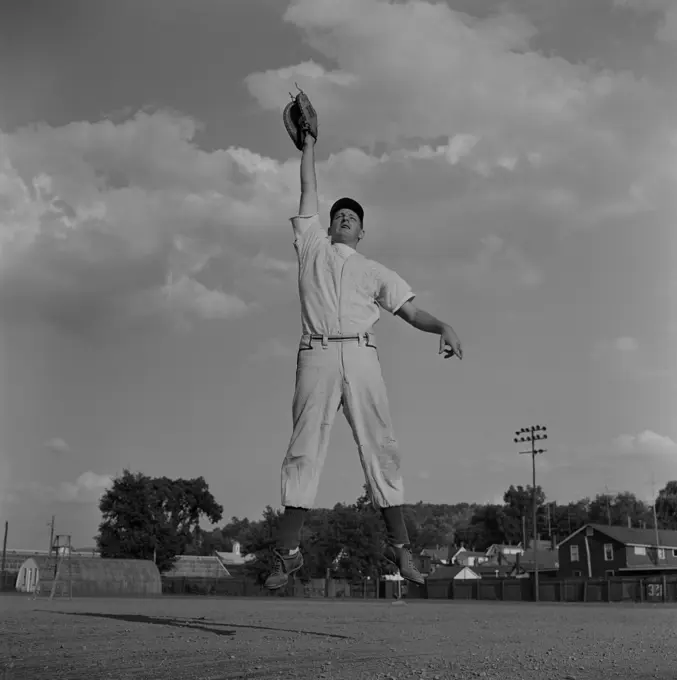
(176, 638)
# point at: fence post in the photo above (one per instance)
(585, 590)
(608, 590)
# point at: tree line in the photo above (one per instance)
(159, 518)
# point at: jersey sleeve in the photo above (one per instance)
(392, 290)
(308, 233)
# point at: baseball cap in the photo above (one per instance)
(350, 204)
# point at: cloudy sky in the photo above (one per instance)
(517, 160)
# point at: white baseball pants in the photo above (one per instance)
(330, 374)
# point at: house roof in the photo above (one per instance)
(469, 553)
(233, 558)
(503, 548)
(547, 560)
(449, 572)
(631, 536)
(198, 566)
(436, 553)
(491, 569)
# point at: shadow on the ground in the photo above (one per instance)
(201, 624)
(154, 620)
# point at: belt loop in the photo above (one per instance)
(359, 339)
(325, 342)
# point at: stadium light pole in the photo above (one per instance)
(531, 435)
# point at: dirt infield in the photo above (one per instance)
(277, 638)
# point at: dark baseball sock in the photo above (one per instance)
(289, 532)
(395, 527)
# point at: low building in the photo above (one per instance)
(437, 554)
(492, 570)
(197, 567)
(235, 556)
(15, 558)
(439, 584)
(525, 566)
(90, 577)
(469, 558)
(601, 551)
(503, 554)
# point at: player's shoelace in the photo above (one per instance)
(407, 560)
(279, 566)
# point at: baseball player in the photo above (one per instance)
(341, 293)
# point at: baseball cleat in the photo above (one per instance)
(285, 565)
(404, 561)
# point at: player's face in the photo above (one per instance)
(346, 227)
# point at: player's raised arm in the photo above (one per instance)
(309, 204)
(300, 119)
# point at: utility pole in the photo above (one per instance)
(608, 505)
(4, 555)
(655, 523)
(532, 435)
(51, 534)
(655, 516)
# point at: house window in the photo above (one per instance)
(608, 552)
(661, 553)
(577, 574)
(639, 550)
(674, 552)
(573, 553)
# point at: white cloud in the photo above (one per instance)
(187, 296)
(420, 69)
(96, 218)
(626, 344)
(499, 267)
(87, 488)
(485, 144)
(273, 265)
(624, 356)
(57, 445)
(533, 145)
(667, 27)
(646, 443)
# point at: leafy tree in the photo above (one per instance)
(259, 539)
(666, 506)
(235, 530)
(153, 518)
(520, 499)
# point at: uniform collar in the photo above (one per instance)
(344, 249)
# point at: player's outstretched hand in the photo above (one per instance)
(450, 345)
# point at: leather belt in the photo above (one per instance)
(326, 339)
(340, 338)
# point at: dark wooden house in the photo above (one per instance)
(601, 551)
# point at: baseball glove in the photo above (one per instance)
(300, 118)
